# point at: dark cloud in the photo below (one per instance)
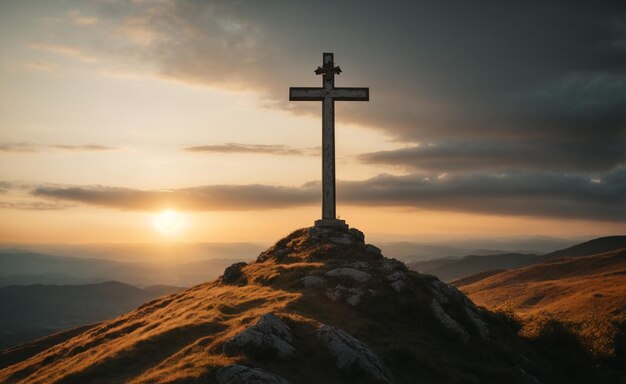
(255, 149)
(499, 156)
(490, 70)
(527, 194)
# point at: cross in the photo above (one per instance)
(328, 94)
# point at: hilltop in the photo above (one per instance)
(320, 306)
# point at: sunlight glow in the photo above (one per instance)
(169, 222)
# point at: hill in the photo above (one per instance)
(591, 247)
(22, 267)
(320, 306)
(37, 310)
(571, 288)
(452, 269)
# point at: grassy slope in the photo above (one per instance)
(571, 288)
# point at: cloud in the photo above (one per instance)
(517, 75)
(34, 205)
(273, 149)
(17, 147)
(215, 197)
(81, 148)
(25, 147)
(81, 19)
(501, 156)
(552, 195)
(65, 50)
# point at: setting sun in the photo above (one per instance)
(169, 222)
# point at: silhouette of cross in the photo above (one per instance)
(328, 94)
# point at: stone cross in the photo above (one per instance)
(328, 94)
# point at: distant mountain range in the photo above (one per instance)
(452, 268)
(33, 311)
(21, 267)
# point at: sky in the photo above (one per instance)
(150, 121)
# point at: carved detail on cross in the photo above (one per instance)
(328, 94)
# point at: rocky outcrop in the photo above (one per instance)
(442, 293)
(447, 321)
(234, 274)
(268, 337)
(240, 374)
(351, 295)
(312, 281)
(351, 273)
(350, 353)
(399, 281)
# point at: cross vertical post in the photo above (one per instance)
(329, 201)
(328, 94)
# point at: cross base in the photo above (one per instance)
(331, 223)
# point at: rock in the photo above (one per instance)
(358, 235)
(360, 265)
(355, 296)
(233, 273)
(352, 295)
(443, 291)
(481, 326)
(391, 265)
(350, 353)
(269, 336)
(352, 273)
(336, 293)
(344, 240)
(399, 281)
(373, 249)
(447, 321)
(312, 281)
(240, 374)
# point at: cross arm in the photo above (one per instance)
(306, 94)
(351, 94)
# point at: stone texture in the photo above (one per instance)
(233, 273)
(357, 235)
(443, 291)
(399, 281)
(447, 321)
(390, 265)
(312, 281)
(343, 240)
(360, 265)
(269, 336)
(373, 249)
(350, 353)
(352, 295)
(352, 273)
(240, 374)
(336, 293)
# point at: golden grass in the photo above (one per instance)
(175, 336)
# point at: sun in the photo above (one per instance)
(169, 222)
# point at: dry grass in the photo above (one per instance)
(174, 336)
(586, 295)
(572, 289)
